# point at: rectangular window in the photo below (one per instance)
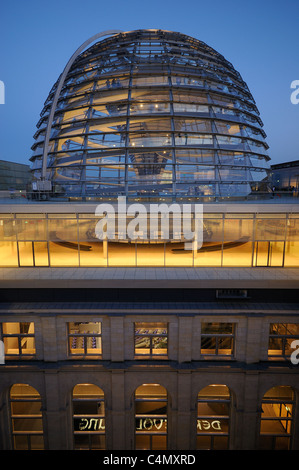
(281, 336)
(151, 339)
(18, 338)
(85, 338)
(217, 339)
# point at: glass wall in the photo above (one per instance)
(18, 339)
(85, 338)
(213, 415)
(281, 337)
(277, 419)
(89, 417)
(70, 240)
(26, 418)
(150, 417)
(151, 340)
(217, 339)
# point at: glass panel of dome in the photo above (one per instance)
(115, 109)
(183, 97)
(223, 100)
(192, 125)
(191, 173)
(229, 142)
(227, 128)
(98, 140)
(234, 190)
(149, 124)
(220, 111)
(258, 161)
(187, 81)
(233, 175)
(200, 190)
(155, 170)
(148, 108)
(253, 133)
(189, 139)
(190, 108)
(149, 140)
(150, 80)
(148, 96)
(108, 97)
(232, 158)
(258, 175)
(194, 156)
(121, 81)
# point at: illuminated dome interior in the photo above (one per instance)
(150, 115)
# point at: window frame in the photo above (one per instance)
(20, 338)
(100, 431)
(289, 418)
(85, 337)
(15, 416)
(284, 337)
(208, 432)
(217, 337)
(151, 336)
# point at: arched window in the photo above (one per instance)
(277, 419)
(89, 417)
(26, 418)
(151, 417)
(213, 416)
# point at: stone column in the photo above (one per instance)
(185, 335)
(251, 411)
(119, 424)
(254, 337)
(117, 339)
(184, 428)
(54, 416)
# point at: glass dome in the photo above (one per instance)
(152, 114)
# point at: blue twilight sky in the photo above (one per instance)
(259, 37)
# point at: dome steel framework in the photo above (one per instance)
(151, 114)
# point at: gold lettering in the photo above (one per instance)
(101, 424)
(95, 420)
(81, 427)
(150, 424)
(216, 425)
(158, 426)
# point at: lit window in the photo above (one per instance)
(151, 339)
(150, 417)
(18, 338)
(26, 418)
(213, 411)
(89, 417)
(217, 339)
(85, 338)
(276, 419)
(281, 337)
